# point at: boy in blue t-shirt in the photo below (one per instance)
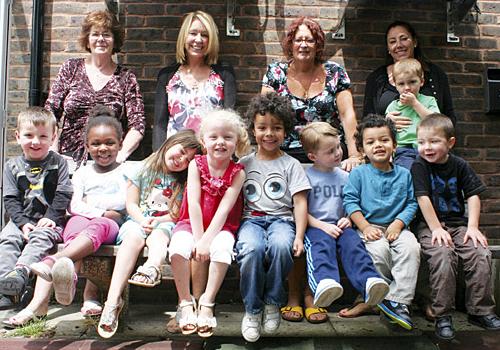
(329, 230)
(379, 200)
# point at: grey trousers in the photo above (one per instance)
(443, 263)
(397, 262)
(15, 250)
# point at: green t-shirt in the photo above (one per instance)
(408, 136)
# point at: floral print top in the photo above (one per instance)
(322, 107)
(187, 105)
(72, 96)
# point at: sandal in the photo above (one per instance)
(316, 311)
(297, 311)
(22, 318)
(108, 324)
(187, 321)
(91, 308)
(206, 325)
(146, 276)
(42, 269)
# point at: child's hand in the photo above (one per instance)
(298, 247)
(392, 232)
(27, 228)
(344, 223)
(45, 222)
(441, 236)
(202, 250)
(331, 230)
(407, 98)
(148, 224)
(476, 236)
(372, 233)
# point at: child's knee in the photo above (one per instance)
(182, 244)
(221, 249)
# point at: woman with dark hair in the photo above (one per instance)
(319, 90)
(402, 42)
(83, 83)
(196, 83)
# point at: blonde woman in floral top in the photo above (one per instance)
(83, 83)
(196, 83)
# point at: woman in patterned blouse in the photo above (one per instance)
(319, 90)
(83, 83)
(196, 83)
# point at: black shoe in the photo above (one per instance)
(489, 322)
(15, 282)
(444, 328)
(6, 303)
(397, 312)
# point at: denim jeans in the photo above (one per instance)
(264, 255)
(405, 156)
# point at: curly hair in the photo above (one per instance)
(104, 20)
(373, 121)
(102, 115)
(278, 106)
(316, 32)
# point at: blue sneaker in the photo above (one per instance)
(397, 312)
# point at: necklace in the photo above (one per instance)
(192, 80)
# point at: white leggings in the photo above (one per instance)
(221, 248)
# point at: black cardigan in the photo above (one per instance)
(162, 115)
(435, 84)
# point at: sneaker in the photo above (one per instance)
(444, 328)
(6, 303)
(489, 322)
(250, 327)
(327, 292)
(15, 281)
(397, 312)
(64, 280)
(271, 318)
(376, 289)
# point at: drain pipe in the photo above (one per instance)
(36, 53)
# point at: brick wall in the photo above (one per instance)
(151, 31)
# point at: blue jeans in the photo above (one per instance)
(264, 255)
(405, 156)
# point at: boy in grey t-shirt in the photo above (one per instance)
(329, 230)
(274, 218)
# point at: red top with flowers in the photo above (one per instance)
(187, 105)
(212, 191)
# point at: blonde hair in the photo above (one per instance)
(212, 54)
(36, 116)
(311, 135)
(154, 165)
(408, 65)
(231, 118)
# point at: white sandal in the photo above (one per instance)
(42, 270)
(206, 325)
(108, 324)
(187, 323)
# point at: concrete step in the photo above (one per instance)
(149, 321)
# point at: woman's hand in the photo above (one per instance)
(400, 121)
(350, 163)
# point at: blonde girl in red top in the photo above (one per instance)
(209, 217)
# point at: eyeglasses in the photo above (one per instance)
(308, 41)
(105, 35)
